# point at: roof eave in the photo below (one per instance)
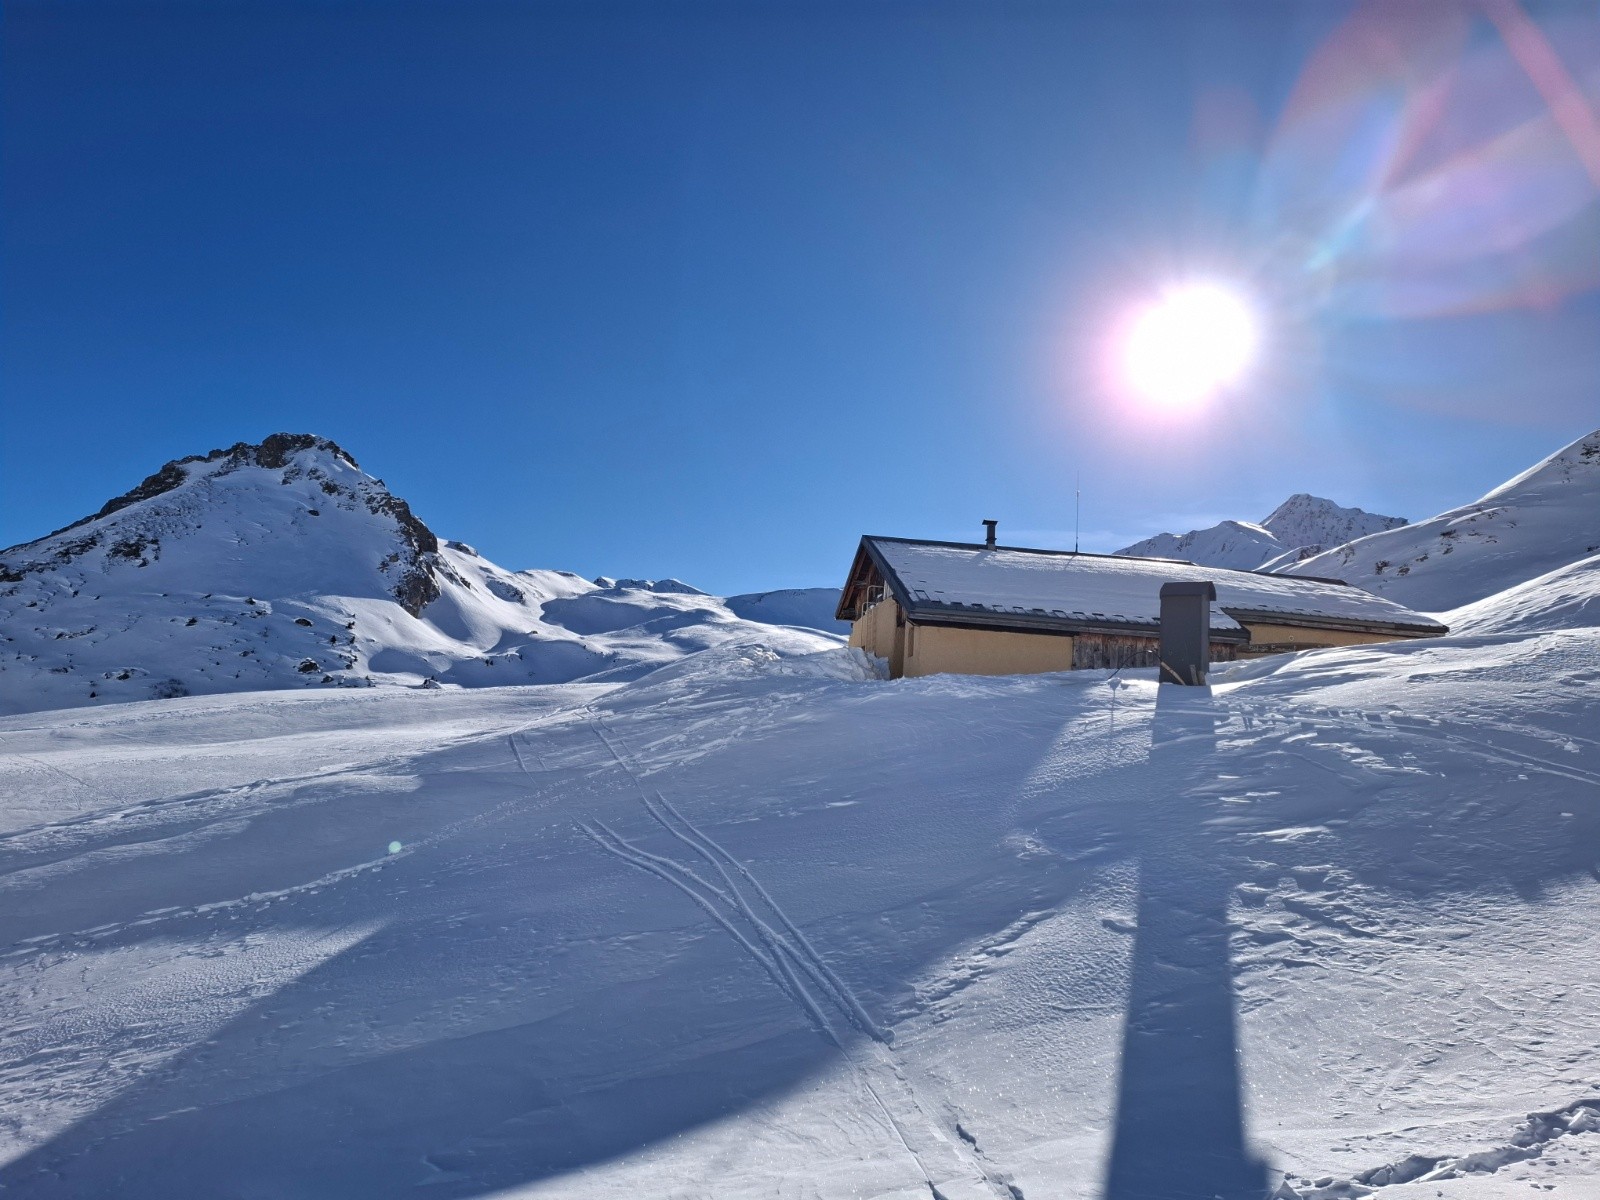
(1318, 621)
(954, 616)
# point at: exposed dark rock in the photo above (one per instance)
(413, 571)
(273, 452)
(133, 547)
(506, 591)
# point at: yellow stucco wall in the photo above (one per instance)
(940, 650)
(914, 650)
(878, 631)
(1299, 635)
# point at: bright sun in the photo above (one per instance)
(1194, 340)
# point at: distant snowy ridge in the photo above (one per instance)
(284, 564)
(1300, 527)
(1545, 519)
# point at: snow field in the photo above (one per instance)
(760, 924)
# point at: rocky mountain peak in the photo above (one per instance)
(254, 507)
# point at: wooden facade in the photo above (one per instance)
(1099, 651)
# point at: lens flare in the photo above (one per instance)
(1192, 342)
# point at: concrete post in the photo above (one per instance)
(1186, 632)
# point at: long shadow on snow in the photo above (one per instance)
(570, 1033)
(1180, 1052)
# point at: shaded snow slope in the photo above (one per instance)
(759, 925)
(1546, 518)
(1301, 526)
(809, 608)
(1566, 598)
(285, 565)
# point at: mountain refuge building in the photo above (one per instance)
(964, 608)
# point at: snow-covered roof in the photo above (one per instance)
(1007, 586)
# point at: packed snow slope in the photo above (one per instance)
(285, 565)
(1303, 525)
(1566, 598)
(1546, 518)
(763, 925)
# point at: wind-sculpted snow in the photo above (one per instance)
(1566, 598)
(284, 565)
(759, 923)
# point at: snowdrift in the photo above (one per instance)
(1566, 598)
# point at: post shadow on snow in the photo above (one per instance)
(519, 1103)
(1179, 1124)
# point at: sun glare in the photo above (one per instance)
(1189, 344)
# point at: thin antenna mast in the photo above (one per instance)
(1077, 508)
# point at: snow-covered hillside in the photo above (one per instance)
(758, 926)
(1301, 526)
(1546, 518)
(1566, 598)
(285, 565)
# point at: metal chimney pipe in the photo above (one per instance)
(988, 534)
(1186, 632)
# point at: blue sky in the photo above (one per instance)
(709, 290)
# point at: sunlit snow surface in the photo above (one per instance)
(767, 926)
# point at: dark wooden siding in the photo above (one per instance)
(1109, 650)
(1098, 650)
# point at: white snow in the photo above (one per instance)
(305, 573)
(757, 923)
(1544, 519)
(1240, 545)
(1126, 590)
(1301, 526)
(1566, 598)
(761, 925)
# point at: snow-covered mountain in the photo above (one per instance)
(1302, 526)
(283, 564)
(1241, 545)
(1308, 524)
(1545, 519)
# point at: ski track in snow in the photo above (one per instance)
(1295, 794)
(970, 1174)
